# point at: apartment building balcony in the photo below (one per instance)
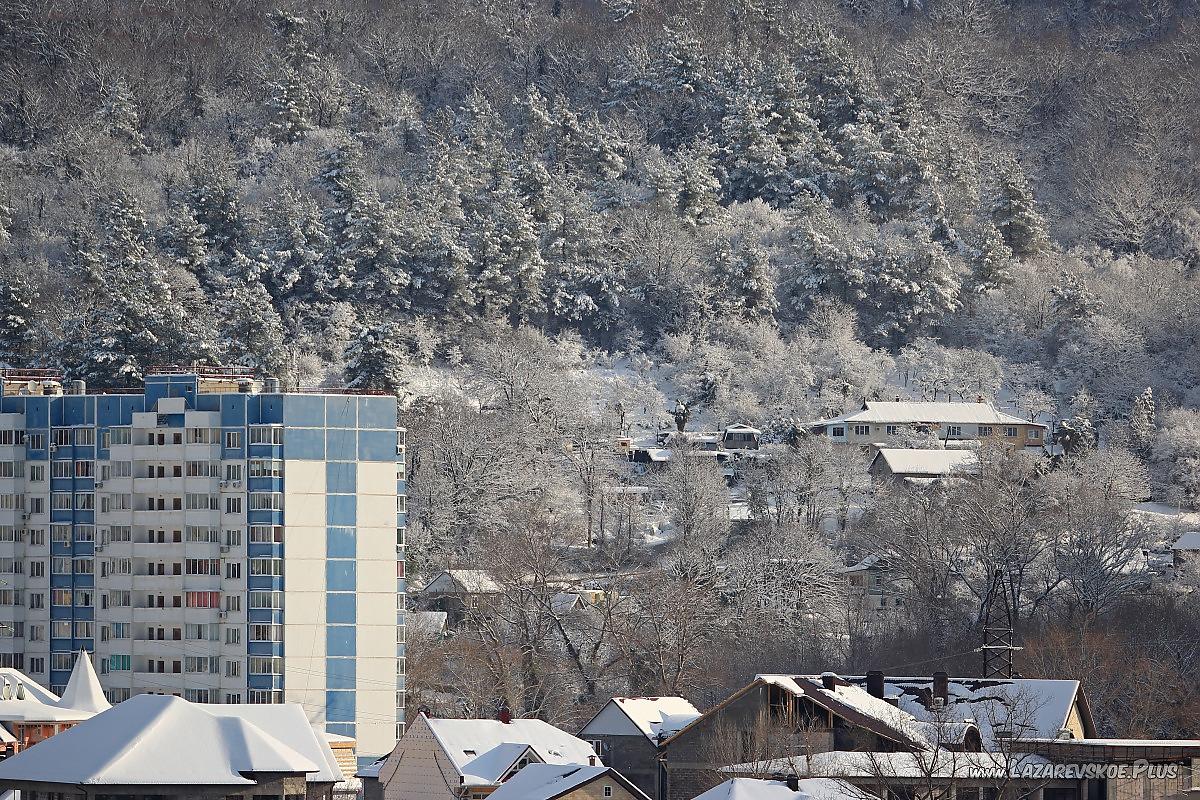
(147, 614)
(160, 452)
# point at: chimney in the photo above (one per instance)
(875, 683)
(505, 715)
(793, 782)
(830, 680)
(941, 686)
(591, 761)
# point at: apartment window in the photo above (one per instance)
(233, 537)
(954, 430)
(233, 472)
(986, 430)
(233, 602)
(61, 469)
(37, 473)
(120, 533)
(83, 598)
(266, 434)
(266, 599)
(233, 505)
(9, 533)
(233, 440)
(37, 600)
(37, 665)
(85, 566)
(115, 502)
(233, 669)
(60, 565)
(196, 533)
(199, 436)
(15, 502)
(12, 566)
(60, 501)
(203, 599)
(233, 571)
(37, 505)
(265, 665)
(123, 435)
(233, 636)
(85, 533)
(118, 663)
(202, 502)
(11, 597)
(85, 437)
(120, 469)
(62, 661)
(85, 469)
(198, 695)
(202, 469)
(120, 598)
(260, 632)
(201, 664)
(60, 534)
(62, 437)
(266, 534)
(206, 633)
(265, 696)
(85, 501)
(85, 630)
(266, 501)
(60, 629)
(266, 468)
(12, 469)
(202, 566)
(37, 537)
(266, 566)
(37, 569)
(9, 438)
(861, 430)
(120, 630)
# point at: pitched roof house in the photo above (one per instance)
(165, 746)
(627, 733)
(567, 782)
(921, 466)
(470, 758)
(877, 422)
(30, 713)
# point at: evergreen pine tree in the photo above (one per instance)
(991, 261)
(119, 116)
(1014, 212)
(17, 334)
(744, 283)
(375, 358)
(1142, 425)
(290, 93)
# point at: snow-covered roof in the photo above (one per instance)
(22, 699)
(473, 581)
(741, 427)
(156, 740)
(1032, 707)
(927, 462)
(83, 692)
(288, 723)
(483, 750)
(656, 717)
(808, 789)
(843, 697)
(921, 765)
(426, 621)
(550, 781)
(371, 770)
(928, 412)
(1188, 541)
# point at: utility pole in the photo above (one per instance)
(998, 647)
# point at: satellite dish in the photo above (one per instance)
(20, 691)
(6, 692)
(31, 386)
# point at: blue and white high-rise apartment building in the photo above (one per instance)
(211, 536)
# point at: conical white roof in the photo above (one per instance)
(83, 692)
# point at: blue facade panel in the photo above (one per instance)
(303, 444)
(377, 445)
(341, 477)
(341, 609)
(304, 411)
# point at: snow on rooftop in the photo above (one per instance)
(1188, 541)
(927, 462)
(921, 765)
(477, 747)
(156, 740)
(83, 692)
(547, 781)
(658, 717)
(929, 412)
(857, 699)
(468, 580)
(808, 789)
(288, 723)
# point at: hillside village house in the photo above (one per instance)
(158, 746)
(811, 715)
(629, 730)
(468, 759)
(878, 422)
(457, 592)
(567, 782)
(921, 467)
(868, 584)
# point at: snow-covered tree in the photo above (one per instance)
(17, 321)
(289, 100)
(376, 357)
(745, 281)
(1014, 212)
(1176, 457)
(1142, 427)
(118, 114)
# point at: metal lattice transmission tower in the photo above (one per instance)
(998, 647)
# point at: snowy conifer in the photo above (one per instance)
(119, 116)
(1142, 425)
(17, 334)
(290, 91)
(1014, 212)
(375, 358)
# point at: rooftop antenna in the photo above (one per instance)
(998, 647)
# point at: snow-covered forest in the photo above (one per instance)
(542, 222)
